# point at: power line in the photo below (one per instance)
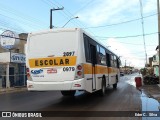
(61, 12)
(46, 2)
(142, 21)
(70, 15)
(21, 16)
(6, 27)
(2, 29)
(142, 56)
(84, 6)
(67, 14)
(22, 22)
(139, 52)
(135, 44)
(103, 37)
(49, 3)
(52, 3)
(121, 22)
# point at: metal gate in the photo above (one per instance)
(20, 75)
(2, 75)
(17, 75)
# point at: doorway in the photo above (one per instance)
(11, 76)
(93, 61)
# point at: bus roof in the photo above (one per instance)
(67, 30)
(54, 30)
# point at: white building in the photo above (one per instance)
(155, 62)
(15, 58)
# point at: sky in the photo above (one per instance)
(115, 23)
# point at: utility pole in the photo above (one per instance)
(125, 67)
(51, 15)
(142, 21)
(158, 10)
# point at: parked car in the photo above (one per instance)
(121, 73)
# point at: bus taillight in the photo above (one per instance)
(27, 70)
(79, 67)
(28, 74)
(79, 72)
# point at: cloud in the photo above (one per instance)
(107, 11)
(125, 54)
(150, 6)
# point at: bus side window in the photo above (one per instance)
(98, 58)
(108, 60)
(115, 61)
(118, 62)
(102, 56)
(112, 59)
(87, 48)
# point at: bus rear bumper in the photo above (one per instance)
(48, 86)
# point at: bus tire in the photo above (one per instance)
(68, 93)
(115, 86)
(103, 90)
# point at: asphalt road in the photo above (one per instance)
(125, 98)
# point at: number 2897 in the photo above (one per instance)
(68, 53)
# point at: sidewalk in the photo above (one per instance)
(12, 89)
(152, 91)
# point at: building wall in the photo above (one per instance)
(155, 63)
(17, 70)
(156, 70)
(20, 48)
(150, 61)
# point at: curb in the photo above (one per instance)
(12, 90)
(153, 91)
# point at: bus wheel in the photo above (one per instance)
(103, 90)
(115, 85)
(68, 93)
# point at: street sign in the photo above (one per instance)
(18, 58)
(9, 40)
(7, 57)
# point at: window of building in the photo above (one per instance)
(154, 58)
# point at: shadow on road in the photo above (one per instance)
(79, 102)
